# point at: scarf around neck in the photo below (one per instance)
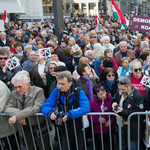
(90, 87)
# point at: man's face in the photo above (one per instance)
(21, 88)
(11, 38)
(3, 36)
(87, 72)
(81, 36)
(71, 42)
(54, 57)
(64, 85)
(90, 56)
(18, 34)
(32, 56)
(3, 59)
(74, 31)
(123, 89)
(37, 57)
(123, 47)
(31, 41)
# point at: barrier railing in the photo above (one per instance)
(25, 142)
(145, 123)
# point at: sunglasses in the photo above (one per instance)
(100, 88)
(136, 70)
(5, 58)
(112, 75)
(121, 82)
(52, 68)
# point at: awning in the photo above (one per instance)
(11, 6)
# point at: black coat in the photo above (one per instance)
(67, 59)
(132, 103)
(59, 52)
(107, 88)
(6, 44)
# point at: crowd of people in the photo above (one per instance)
(88, 71)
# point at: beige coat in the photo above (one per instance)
(33, 102)
(4, 97)
(130, 54)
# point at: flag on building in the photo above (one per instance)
(98, 26)
(5, 17)
(119, 15)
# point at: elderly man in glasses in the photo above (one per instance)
(126, 101)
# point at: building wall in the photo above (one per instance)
(32, 8)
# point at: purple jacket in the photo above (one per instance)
(95, 105)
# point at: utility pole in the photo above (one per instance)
(58, 18)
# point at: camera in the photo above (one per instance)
(116, 108)
(59, 115)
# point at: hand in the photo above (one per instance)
(107, 123)
(43, 76)
(64, 119)
(103, 120)
(114, 105)
(22, 121)
(53, 116)
(4, 68)
(119, 110)
(12, 120)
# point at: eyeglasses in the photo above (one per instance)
(136, 70)
(111, 75)
(100, 88)
(52, 68)
(5, 58)
(121, 82)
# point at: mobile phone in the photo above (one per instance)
(116, 108)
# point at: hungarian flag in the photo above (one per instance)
(98, 26)
(5, 17)
(119, 15)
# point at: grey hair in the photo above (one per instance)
(51, 62)
(27, 46)
(18, 31)
(20, 77)
(122, 42)
(144, 44)
(106, 38)
(93, 31)
(3, 33)
(66, 74)
(53, 42)
(98, 50)
(82, 32)
(23, 72)
(124, 81)
(84, 28)
(87, 52)
(43, 32)
(50, 30)
(72, 38)
(135, 63)
(28, 53)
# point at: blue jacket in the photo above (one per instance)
(97, 66)
(51, 102)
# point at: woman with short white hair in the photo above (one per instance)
(98, 50)
(136, 75)
(107, 44)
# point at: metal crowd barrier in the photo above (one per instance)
(51, 140)
(145, 123)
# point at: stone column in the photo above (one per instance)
(97, 9)
(87, 9)
(80, 7)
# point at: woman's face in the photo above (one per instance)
(125, 64)
(87, 72)
(110, 76)
(109, 54)
(51, 69)
(137, 71)
(40, 46)
(106, 41)
(101, 94)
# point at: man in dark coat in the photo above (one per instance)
(3, 40)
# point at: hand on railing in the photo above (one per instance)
(12, 120)
(22, 121)
(102, 120)
(107, 123)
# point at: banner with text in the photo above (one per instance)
(140, 23)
